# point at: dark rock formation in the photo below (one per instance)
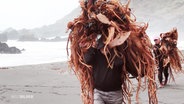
(5, 49)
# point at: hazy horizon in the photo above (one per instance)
(161, 15)
(19, 14)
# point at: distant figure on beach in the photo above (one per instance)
(162, 62)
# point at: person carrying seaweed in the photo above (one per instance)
(162, 69)
(105, 63)
(106, 79)
(168, 56)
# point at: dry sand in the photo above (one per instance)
(52, 84)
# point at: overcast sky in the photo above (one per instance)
(28, 14)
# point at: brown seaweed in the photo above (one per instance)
(116, 24)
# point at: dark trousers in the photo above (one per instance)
(161, 71)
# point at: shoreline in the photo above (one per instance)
(62, 64)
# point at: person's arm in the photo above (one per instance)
(89, 55)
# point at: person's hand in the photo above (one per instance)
(94, 44)
(154, 49)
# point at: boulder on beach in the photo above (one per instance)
(5, 49)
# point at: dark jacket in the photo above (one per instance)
(105, 78)
(158, 55)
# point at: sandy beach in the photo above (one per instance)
(52, 83)
(39, 84)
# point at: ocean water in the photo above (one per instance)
(40, 52)
(35, 53)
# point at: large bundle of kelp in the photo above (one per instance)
(115, 24)
(170, 50)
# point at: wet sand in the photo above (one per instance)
(51, 83)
